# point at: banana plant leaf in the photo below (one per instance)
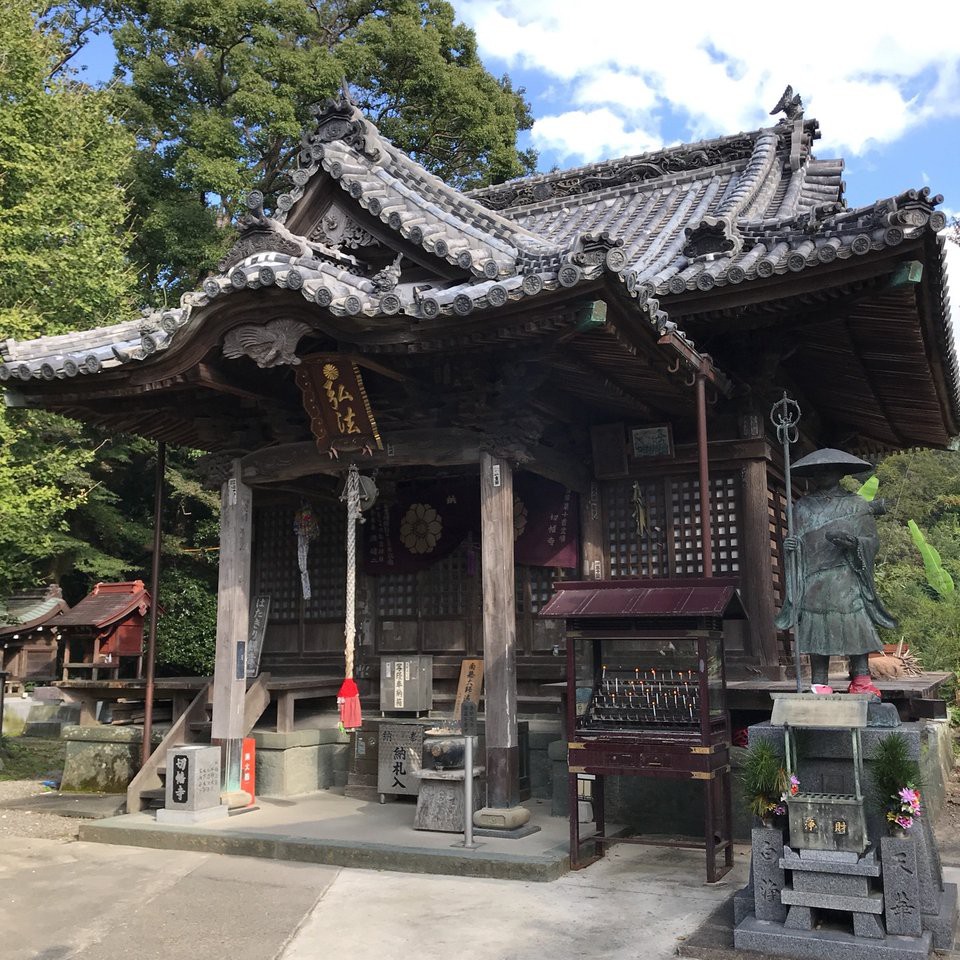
(938, 578)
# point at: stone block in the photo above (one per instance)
(830, 856)
(928, 862)
(440, 801)
(560, 796)
(901, 885)
(872, 903)
(866, 866)
(868, 925)
(942, 925)
(776, 941)
(501, 818)
(101, 759)
(799, 918)
(831, 883)
(540, 770)
(768, 876)
(742, 903)
(193, 778)
(184, 818)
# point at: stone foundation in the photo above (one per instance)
(300, 762)
(101, 759)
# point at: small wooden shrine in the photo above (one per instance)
(103, 633)
(563, 376)
(29, 631)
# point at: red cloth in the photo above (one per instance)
(349, 700)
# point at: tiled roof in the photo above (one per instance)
(691, 218)
(29, 609)
(107, 604)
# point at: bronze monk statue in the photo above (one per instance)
(831, 598)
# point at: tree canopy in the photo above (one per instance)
(217, 93)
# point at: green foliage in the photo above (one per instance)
(218, 93)
(187, 631)
(868, 490)
(937, 576)
(763, 778)
(922, 486)
(62, 211)
(31, 758)
(893, 769)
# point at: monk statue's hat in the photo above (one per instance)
(832, 460)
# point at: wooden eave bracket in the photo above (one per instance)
(700, 364)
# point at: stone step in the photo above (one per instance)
(866, 867)
(828, 901)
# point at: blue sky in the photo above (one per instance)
(615, 77)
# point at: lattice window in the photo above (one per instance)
(633, 552)
(670, 544)
(688, 551)
(534, 586)
(443, 586)
(726, 527)
(327, 563)
(439, 591)
(278, 574)
(397, 595)
(777, 516)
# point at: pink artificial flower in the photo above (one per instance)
(794, 785)
(905, 822)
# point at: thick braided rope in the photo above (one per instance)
(352, 494)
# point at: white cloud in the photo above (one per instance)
(864, 75)
(590, 135)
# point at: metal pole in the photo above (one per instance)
(3, 690)
(154, 600)
(468, 792)
(785, 415)
(706, 519)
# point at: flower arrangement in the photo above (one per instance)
(905, 807)
(896, 777)
(765, 783)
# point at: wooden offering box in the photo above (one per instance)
(646, 696)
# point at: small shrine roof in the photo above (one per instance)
(28, 609)
(107, 604)
(655, 599)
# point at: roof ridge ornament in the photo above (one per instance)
(711, 236)
(790, 104)
(338, 118)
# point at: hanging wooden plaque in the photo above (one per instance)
(334, 398)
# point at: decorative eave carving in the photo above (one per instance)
(789, 104)
(339, 119)
(337, 229)
(259, 234)
(648, 167)
(268, 345)
(594, 249)
(712, 235)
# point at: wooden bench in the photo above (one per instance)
(287, 690)
(181, 690)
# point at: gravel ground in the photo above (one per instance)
(22, 823)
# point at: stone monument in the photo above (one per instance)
(831, 884)
(193, 786)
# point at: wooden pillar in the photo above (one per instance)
(703, 458)
(593, 561)
(233, 615)
(499, 631)
(755, 564)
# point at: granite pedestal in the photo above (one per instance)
(440, 802)
(889, 902)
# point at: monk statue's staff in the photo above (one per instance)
(785, 415)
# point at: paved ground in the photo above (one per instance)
(67, 900)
